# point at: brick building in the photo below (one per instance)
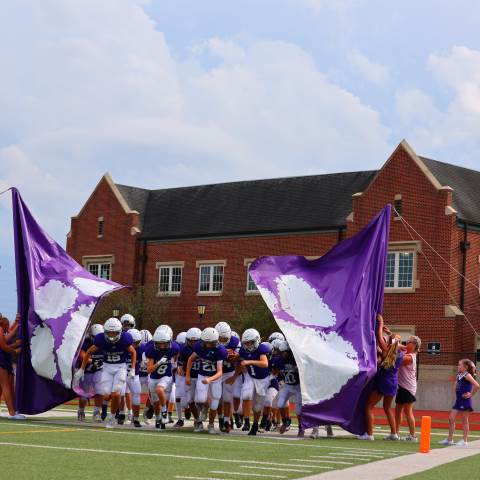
(195, 243)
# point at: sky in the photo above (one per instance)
(166, 93)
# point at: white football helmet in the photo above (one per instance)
(276, 343)
(128, 320)
(209, 335)
(136, 335)
(250, 335)
(112, 325)
(95, 330)
(166, 327)
(235, 334)
(276, 335)
(193, 334)
(146, 336)
(162, 335)
(283, 346)
(224, 332)
(181, 338)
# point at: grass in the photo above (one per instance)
(58, 448)
(466, 468)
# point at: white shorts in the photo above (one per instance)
(144, 383)
(271, 397)
(180, 387)
(227, 389)
(237, 387)
(113, 378)
(91, 383)
(133, 386)
(255, 389)
(164, 382)
(173, 393)
(288, 392)
(212, 390)
(190, 390)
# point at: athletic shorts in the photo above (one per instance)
(404, 396)
(113, 378)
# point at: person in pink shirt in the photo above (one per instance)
(407, 388)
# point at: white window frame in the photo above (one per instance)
(211, 264)
(396, 248)
(170, 266)
(247, 262)
(99, 265)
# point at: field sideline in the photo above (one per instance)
(60, 447)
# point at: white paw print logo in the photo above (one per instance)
(332, 358)
(52, 301)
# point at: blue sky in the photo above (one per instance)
(167, 93)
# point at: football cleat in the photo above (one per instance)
(188, 414)
(254, 429)
(110, 422)
(315, 433)
(285, 427)
(211, 429)
(121, 418)
(150, 412)
(329, 430)
(136, 423)
(246, 424)
(301, 433)
(81, 415)
(170, 417)
(198, 426)
(104, 413)
(158, 423)
(180, 423)
(238, 420)
(97, 417)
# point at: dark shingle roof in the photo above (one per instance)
(465, 184)
(277, 205)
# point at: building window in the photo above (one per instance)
(102, 270)
(251, 286)
(210, 279)
(170, 279)
(400, 270)
(100, 227)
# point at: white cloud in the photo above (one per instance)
(373, 72)
(41, 348)
(93, 86)
(456, 124)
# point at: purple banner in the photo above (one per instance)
(56, 299)
(326, 309)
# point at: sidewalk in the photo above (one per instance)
(398, 467)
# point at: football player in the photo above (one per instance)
(116, 345)
(209, 383)
(143, 375)
(133, 386)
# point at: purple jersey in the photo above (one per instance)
(116, 352)
(463, 386)
(139, 351)
(167, 356)
(386, 379)
(254, 371)
(229, 366)
(97, 357)
(288, 368)
(185, 354)
(209, 358)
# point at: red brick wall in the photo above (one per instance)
(424, 209)
(182, 310)
(117, 239)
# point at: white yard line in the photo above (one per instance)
(321, 461)
(245, 474)
(149, 454)
(360, 456)
(198, 478)
(297, 470)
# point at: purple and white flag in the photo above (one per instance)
(56, 299)
(327, 309)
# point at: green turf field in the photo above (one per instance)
(59, 448)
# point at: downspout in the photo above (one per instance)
(464, 246)
(340, 234)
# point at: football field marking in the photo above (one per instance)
(198, 478)
(151, 454)
(245, 474)
(355, 455)
(321, 461)
(54, 430)
(297, 470)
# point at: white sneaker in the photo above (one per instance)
(393, 436)
(97, 417)
(17, 416)
(315, 433)
(410, 438)
(366, 436)
(198, 427)
(110, 422)
(462, 443)
(211, 429)
(446, 442)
